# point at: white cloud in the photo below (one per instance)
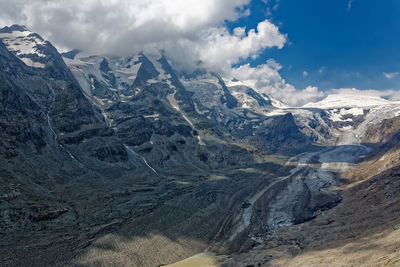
(266, 79)
(305, 73)
(322, 69)
(219, 49)
(390, 75)
(187, 30)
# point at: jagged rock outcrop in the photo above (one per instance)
(381, 133)
(279, 133)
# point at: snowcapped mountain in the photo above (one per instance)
(204, 102)
(125, 71)
(247, 90)
(144, 102)
(226, 104)
(348, 100)
(25, 44)
(352, 114)
(87, 69)
(112, 82)
(30, 47)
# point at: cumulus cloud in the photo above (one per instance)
(219, 48)
(305, 73)
(266, 79)
(189, 31)
(390, 75)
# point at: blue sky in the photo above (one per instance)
(331, 45)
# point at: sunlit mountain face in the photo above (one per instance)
(218, 133)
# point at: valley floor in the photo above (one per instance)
(178, 223)
(363, 230)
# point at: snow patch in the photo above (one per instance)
(337, 114)
(140, 156)
(124, 69)
(349, 100)
(23, 44)
(31, 63)
(276, 112)
(174, 104)
(346, 128)
(163, 75)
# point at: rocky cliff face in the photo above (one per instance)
(385, 138)
(52, 138)
(173, 123)
(279, 133)
(152, 112)
(381, 133)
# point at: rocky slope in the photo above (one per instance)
(55, 146)
(209, 111)
(152, 113)
(363, 230)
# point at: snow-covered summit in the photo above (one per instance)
(349, 101)
(235, 83)
(118, 73)
(26, 45)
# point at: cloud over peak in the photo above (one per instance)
(189, 31)
(265, 78)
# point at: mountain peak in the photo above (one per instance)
(349, 100)
(26, 45)
(14, 28)
(71, 54)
